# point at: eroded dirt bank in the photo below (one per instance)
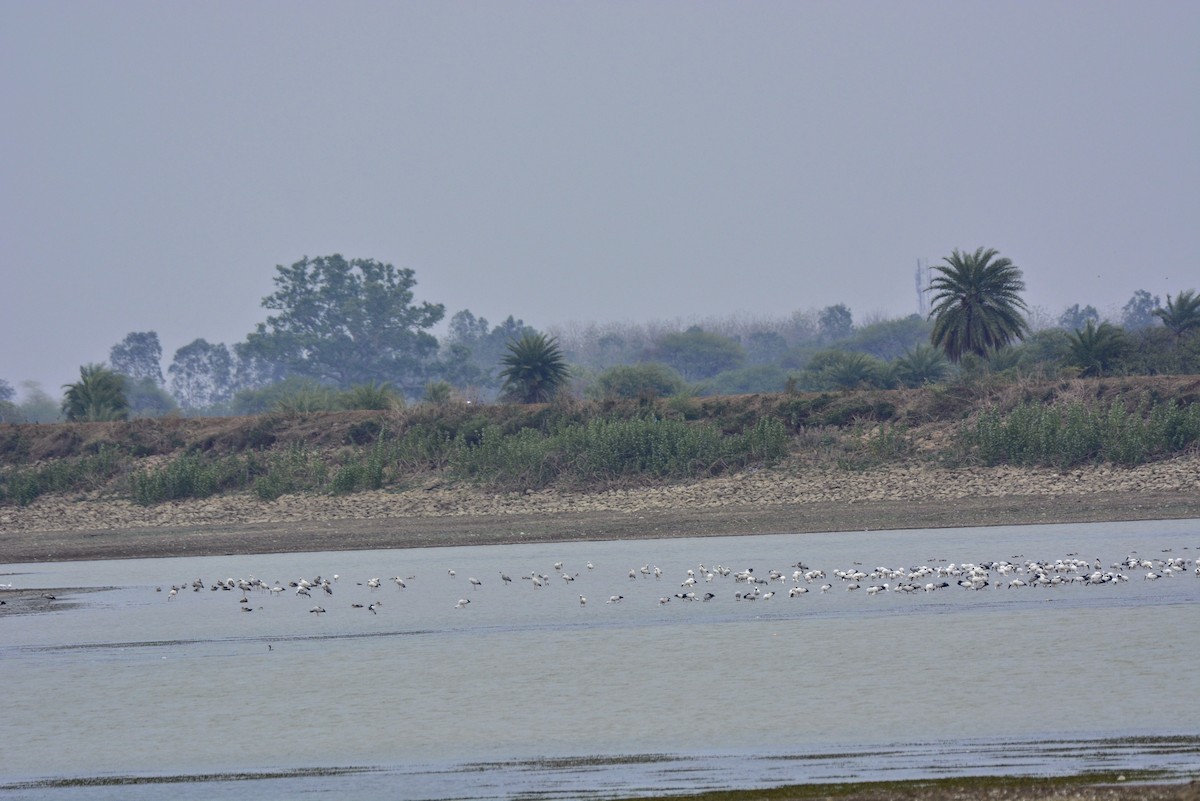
(785, 499)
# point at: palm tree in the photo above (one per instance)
(376, 396)
(1096, 349)
(977, 306)
(99, 394)
(534, 369)
(854, 371)
(1182, 314)
(920, 366)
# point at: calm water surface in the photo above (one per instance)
(526, 692)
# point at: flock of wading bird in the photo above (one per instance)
(706, 584)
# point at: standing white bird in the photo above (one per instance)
(582, 601)
(462, 602)
(475, 582)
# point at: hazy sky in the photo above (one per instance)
(581, 161)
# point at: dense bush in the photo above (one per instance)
(189, 476)
(632, 381)
(1062, 436)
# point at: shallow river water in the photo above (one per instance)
(525, 692)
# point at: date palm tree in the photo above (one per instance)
(1096, 349)
(1181, 314)
(534, 369)
(920, 366)
(99, 394)
(977, 305)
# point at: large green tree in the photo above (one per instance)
(1182, 314)
(201, 374)
(1138, 312)
(99, 394)
(835, 322)
(347, 322)
(696, 353)
(139, 356)
(889, 339)
(534, 369)
(977, 305)
(1076, 319)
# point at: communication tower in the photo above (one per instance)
(922, 282)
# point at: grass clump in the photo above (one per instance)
(295, 469)
(367, 472)
(607, 450)
(189, 476)
(1077, 433)
(23, 485)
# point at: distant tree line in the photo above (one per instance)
(348, 333)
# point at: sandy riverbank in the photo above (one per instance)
(791, 498)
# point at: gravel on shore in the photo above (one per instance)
(787, 498)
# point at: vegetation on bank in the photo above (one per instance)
(348, 334)
(1140, 785)
(579, 445)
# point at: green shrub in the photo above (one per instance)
(295, 469)
(603, 450)
(647, 380)
(23, 485)
(188, 476)
(1075, 433)
(364, 473)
